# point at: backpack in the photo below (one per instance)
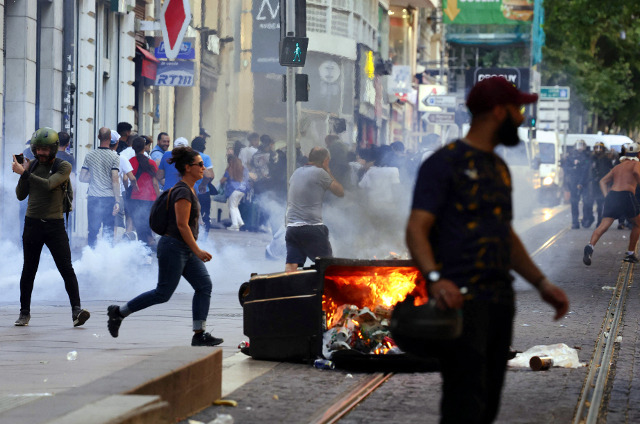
(67, 189)
(159, 215)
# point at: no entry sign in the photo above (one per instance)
(174, 19)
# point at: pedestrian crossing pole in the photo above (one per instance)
(293, 51)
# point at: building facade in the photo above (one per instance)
(79, 65)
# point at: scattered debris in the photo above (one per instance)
(72, 356)
(540, 363)
(275, 397)
(563, 356)
(608, 288)
(324, 364)
(226, 402)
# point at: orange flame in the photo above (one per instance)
(368, 286)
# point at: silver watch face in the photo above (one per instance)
(433, 276)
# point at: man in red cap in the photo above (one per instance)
(460, 236)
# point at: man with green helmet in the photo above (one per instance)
(43, 224)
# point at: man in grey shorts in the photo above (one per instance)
(307, 236)
(620, 201)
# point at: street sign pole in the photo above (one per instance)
(291, 96)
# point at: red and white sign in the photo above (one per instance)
(174, 19)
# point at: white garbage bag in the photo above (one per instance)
(563, 356)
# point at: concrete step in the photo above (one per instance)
(188, 379)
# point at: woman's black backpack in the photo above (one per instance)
(159, 215)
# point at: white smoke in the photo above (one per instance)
(122, 271)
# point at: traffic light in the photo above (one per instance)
(530, 121)
(302, 88)
(293, 51)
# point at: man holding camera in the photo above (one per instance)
(43, 223)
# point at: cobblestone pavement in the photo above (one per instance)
(528, 396)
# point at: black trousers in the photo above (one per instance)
(51, 233)
(473, 366)
(587, 210)
(205, 209)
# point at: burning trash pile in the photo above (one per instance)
(358, 302)
(361, 330)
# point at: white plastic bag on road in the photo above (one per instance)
(563, 356)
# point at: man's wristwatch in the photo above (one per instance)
(433, 276)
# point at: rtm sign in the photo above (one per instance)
(175, 74)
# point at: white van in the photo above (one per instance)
(546, 150)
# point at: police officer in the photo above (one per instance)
(43, 223)
(576, 170)
(601, 164)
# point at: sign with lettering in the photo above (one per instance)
(187, 50)
(483, 12)
(265, 55)
(175, 73)
(516, 76)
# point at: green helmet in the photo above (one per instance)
(45, 137)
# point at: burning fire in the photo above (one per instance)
(377, 288)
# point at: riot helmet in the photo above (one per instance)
(581, 145)
(632, 149)
(599, 147)
(45, 137)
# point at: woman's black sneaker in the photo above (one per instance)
(79, 316)
(205, 339)
(115, 319)
(631, 258)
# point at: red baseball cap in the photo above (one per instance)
(494, 91)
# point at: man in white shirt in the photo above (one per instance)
(246, 153)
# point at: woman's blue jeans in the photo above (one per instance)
(175, 260)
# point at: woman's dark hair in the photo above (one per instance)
(265, 143)
(181, 157)
(237, 146)
(138, 144)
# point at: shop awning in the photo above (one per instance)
(149, 64)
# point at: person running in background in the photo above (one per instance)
(236, 180)
(620, 201)
(178, 254)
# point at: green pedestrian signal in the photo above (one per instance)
(293, 51)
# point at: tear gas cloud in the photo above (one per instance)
(126, 269)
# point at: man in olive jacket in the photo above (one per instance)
(43, 222)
